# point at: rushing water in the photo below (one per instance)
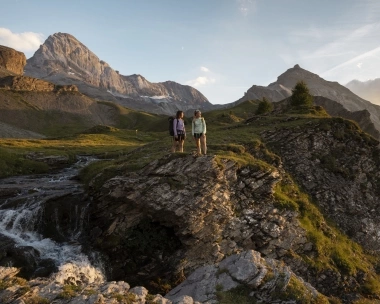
(21, 214)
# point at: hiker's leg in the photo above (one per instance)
(204, 144)
(198, 144)
(174, 143)
(181, 142)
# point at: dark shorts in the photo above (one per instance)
(198, 135)
(180, 136)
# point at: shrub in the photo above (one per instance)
(69, 291)
(36, 300)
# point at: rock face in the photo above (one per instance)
(246, 269)
(369, 90)
(63, 60)
(205, 217)
(282, 89)
(339, 170)
(24, 83)
(12, 60)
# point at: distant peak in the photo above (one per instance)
(296, 66)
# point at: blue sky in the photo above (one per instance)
(220, 47)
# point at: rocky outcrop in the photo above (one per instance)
(63, 60)
(362, 118)
(12, 60)
(339, 167)
(264, 280)
(188, 212)
(24, 83)
(203, 217)
(36, 105)
(335, 109)
(369, 90)
(282, 89)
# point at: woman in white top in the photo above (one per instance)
(179, 132)
(198, 131)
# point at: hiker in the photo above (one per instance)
(198, 131)
(179, 132)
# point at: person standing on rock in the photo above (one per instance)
(179, 132)
(198, 131)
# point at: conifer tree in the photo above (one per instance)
(265, 106)
(301, 96)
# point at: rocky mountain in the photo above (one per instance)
(35, 108)
(64, 60)
(369, 90)
(282, 89)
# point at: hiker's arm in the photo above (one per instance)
(192, 128)
(204, 126)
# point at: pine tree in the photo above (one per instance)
(265, 106)
(301, 97)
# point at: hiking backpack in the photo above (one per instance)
(171, 129)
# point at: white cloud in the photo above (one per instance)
(204, 69)
(359, 65)
(200, 81)
(24, 42)
(246, 6)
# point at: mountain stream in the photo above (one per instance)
(33, 232)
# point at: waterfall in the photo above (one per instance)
(21, 216)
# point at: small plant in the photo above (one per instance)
(69, 291)
(149, 299)
(371, 286)
(343, 263)
(238, 295)
(89, 292)
(4, 284)
(36, 300)
(219, 287)
(128, 298)
(295, 290)
(221, 271)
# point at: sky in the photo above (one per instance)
(220, 47)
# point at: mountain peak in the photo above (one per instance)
(296, 67)
(63, 59)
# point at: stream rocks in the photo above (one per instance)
(245, 275)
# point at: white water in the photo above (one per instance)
(19, 221)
